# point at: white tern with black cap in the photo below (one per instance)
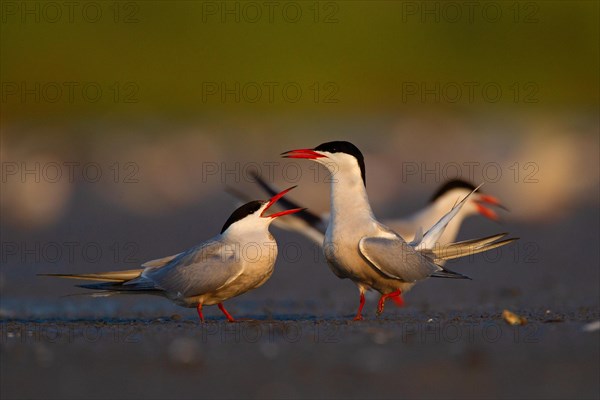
(241, 258)
(373, 256)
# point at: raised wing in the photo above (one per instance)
(418, 237)
(396, 259)
(201, 269)
(432, 236)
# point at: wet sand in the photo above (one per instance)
(404, 353)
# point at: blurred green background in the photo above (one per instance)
(168, 85)
(165, 55)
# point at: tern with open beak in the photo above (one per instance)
(373, 256)
(241, 258)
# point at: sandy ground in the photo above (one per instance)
(448, 341)
(467, 354)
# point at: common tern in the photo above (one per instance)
(241, 258)
(373, 256)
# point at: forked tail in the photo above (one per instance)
(117, 281)
(469, 247)
(111, 276)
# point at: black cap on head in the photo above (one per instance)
(341, 146)
(242, 212)
(450, 185)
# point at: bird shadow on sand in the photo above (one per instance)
(165, 320)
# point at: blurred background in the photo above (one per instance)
(123, 123)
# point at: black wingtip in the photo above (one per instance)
(446, 273)
(503, 207)
(263, 184)
(94, 286)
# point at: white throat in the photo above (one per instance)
(248, 229)
(348, 193)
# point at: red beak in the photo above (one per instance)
(302, 153)
(273, 200)
(486, 211)
(486, 198)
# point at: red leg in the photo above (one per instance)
(398, 300)
(393, 295)
(360, 306)
(199, 309)
(229, 317)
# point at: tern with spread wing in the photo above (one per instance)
(373, 256)
(241, 258)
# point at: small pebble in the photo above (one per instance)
(591, 327)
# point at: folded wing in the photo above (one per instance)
(199, 270)
(396, 259)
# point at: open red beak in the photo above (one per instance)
(302, 153)
(273, 200)
(486, 198)
(486, 211)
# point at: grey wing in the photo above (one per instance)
(160, 262)
(396, 259)
(202, 269)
